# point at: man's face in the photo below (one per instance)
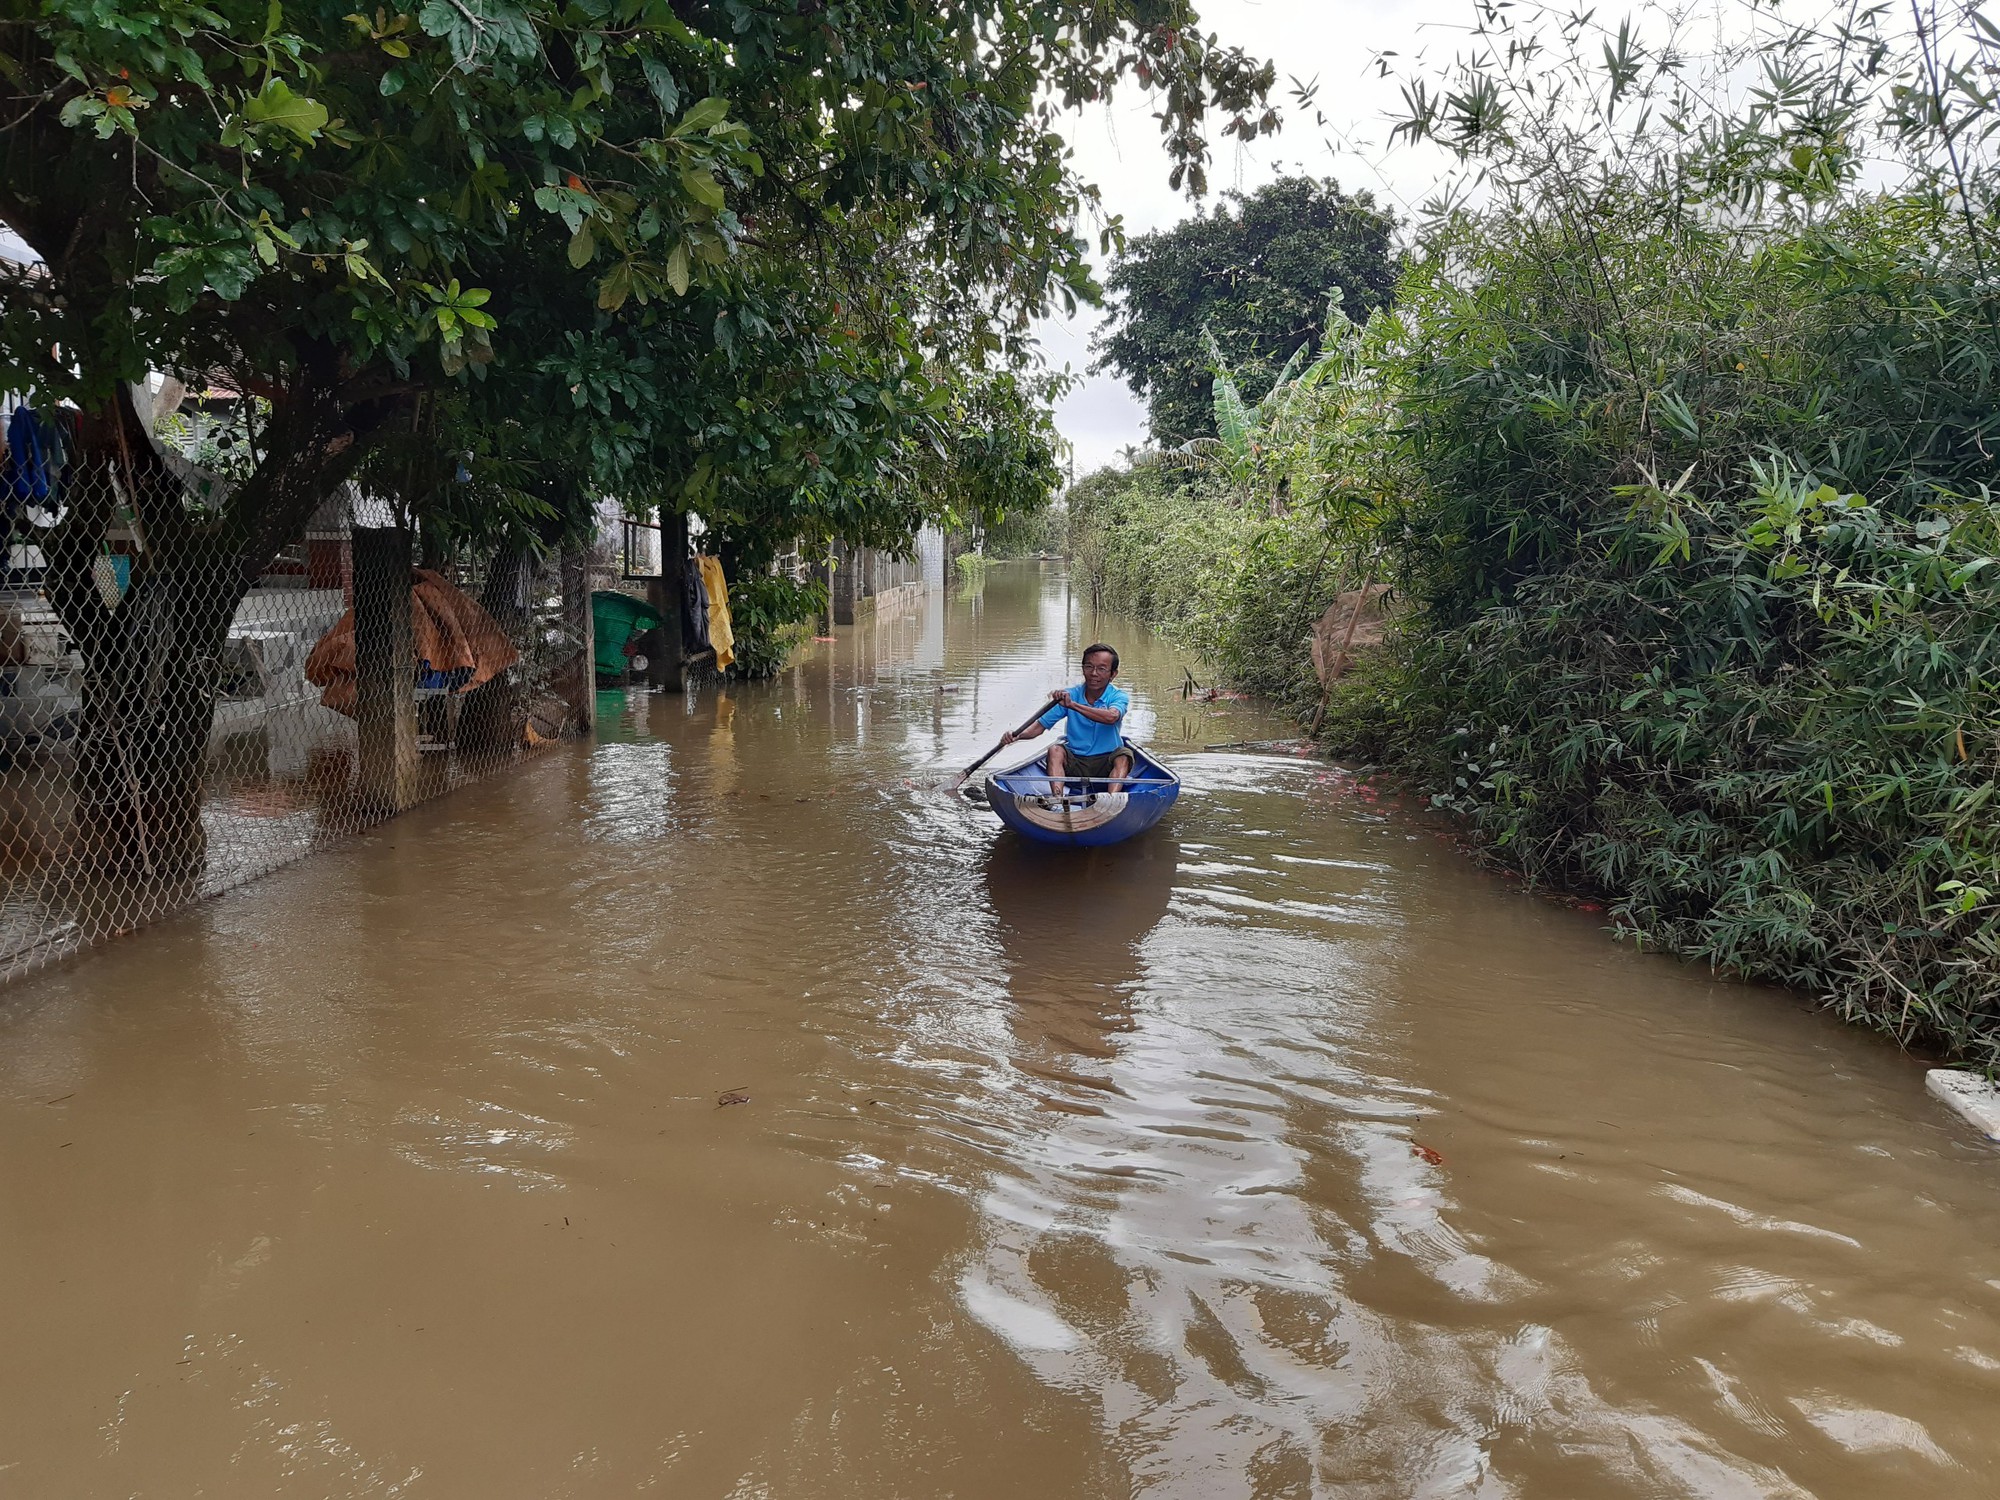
(1097, 672)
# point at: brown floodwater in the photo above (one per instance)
(1278, 1153)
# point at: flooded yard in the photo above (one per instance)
(719, 1110)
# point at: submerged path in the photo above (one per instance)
(1280, 1153)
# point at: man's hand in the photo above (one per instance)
(1061, 695)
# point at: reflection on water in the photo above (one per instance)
(1070, 924)
(1274, 1154)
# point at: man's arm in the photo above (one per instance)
(1098, 715)
(1058, 699)
(1103, 713)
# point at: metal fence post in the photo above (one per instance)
(578, 688)
(385, 670)
(846, 578)
(667, 666)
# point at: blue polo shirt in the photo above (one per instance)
(1087, 736)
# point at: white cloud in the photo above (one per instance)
(1118, 147)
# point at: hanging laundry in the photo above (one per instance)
(720, 634)
(59, 430)
(26, 478)
(694, 607)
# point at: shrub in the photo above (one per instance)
(771, 614)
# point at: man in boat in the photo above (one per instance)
(1093, 715)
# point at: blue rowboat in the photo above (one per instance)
(1089, 813)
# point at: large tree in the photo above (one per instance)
(348, 212)
(1259, 272)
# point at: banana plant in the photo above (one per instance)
(1248, 437)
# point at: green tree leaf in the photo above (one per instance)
(701, 116)
(702, 187)
(276, 104)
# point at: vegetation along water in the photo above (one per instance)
(1675, 453)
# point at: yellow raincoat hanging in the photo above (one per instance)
(720, 635)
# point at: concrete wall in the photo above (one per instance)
(866, 581)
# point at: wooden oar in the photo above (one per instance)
(965, 775)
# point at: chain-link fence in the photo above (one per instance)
(170, 727)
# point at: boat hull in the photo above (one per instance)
(1109, 818)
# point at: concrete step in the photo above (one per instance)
(1972, 1096)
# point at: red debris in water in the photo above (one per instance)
(1424, 1153)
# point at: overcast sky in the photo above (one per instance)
(1334, 41)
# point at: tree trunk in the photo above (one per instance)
(151, 653)
(148, 705)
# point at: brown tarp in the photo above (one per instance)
(452, 631)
